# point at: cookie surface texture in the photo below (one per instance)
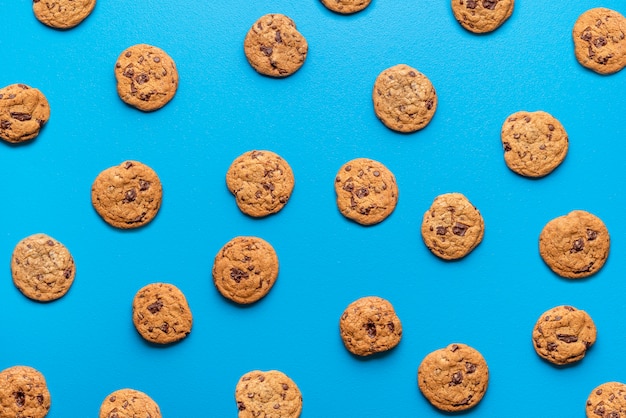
(482, 16)
(267, 394)
(366, 191)
(346, 6)
(274, 47)
(42, 268)
(607, 400)
(23, 112)
(128, 195)
(600, 40)
(62, 14)
(161, 313)
(261, 181)
(23, 393)
(535, 143)
(404, 99)
(370, 325)
(454, 378)
(146, 76)
(129, 403)
(575, 245)
(452, 227)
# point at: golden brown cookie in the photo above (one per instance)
(129, 403)
(261, 181)
(62, 14)
(575, 245)
(42, 268)
(23, 393)
(161, 314)
(245, 269)
(370, 325)
(267, 394)
(600, 40)
(346, 6)
(128, 195)
(366, 190)
(452, 227)
(608, 400)
(274, 47)
(453, 378)
(534, 143)
(482, 16)
(404, 99)
(146, 76)
(23, 112)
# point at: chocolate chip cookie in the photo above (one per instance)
(267, 394)
(23, 393)
(482, 16)
(607, 400)
(346, 6)
(23, 112)
(129, 403)
(62, 14)
(600, 40)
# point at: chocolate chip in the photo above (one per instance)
(460, 229)
(591, 234)
(285, 386)
(144, 185)
(600, 42)
(471, 4)
(552, 346)
(67, 273)
(348, 168)
(238, 275)
(391, 326)
(577, 246)
(128, 54)
(412, 73)
(371, 329)
(507, 147)
(155, 307)
(165, 327)
(490, 4)
(266, 50)
(241, 406)
(142, 78)
(156, 59)
(278, 38)
(21, 116)
(376, 173)
(130, 196)
(128, 165)
(362, 192)
(40, 399)
(457, 378)
(20, 398)
(454, 347)
(441, 230)
(567, 338)
(429, 104)
(470, 367)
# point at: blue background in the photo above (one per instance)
(319, 118)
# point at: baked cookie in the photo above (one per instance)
(404, 99)
(161, 313)
(146, 76)
(128, 195)
(267, 394)
(370, 325)
(42, 268)
(245, 269)
(23, 393)
(453, 378)
(482, 16)
(534, 143)
(563, 334)
(575, 245)
(452, 227)
(62, 14)
(600, 40)
(129, 403)
(23, 112)
(366, 190)
(607, 401)
(261, 181)
(346, 6)
(274, 47)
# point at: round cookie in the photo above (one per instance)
(128, 195)
(261, 181)
(161, 314)
(369, 325)
(600, 40)
(563, 334)
(267, 394)
(146, 76)
(404, 99)
(366, 190)
(534, 143)
(129, 403)
(608, 400)
(62, 14)
(42, 268)
(346, 6)
(245, 269)
(274, 47)
(575, 245)
(23, 112)
(453, 378)
(482, 16)
(452, 227)
(23, 393)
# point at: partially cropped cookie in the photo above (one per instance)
(267, 394)
(127, 195)
(366, 191)
(161, 313)
(575, 245)
(600, 40)
(23, 393)
(129, 403)
(42, 268)
(404, 99)
(23, 112)
(482, 16)
(274, 47)
(261, 181)
(454, 378)
(346, 6)
(245, 269)
(62, 14)
(607, 400)
(146, 76)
